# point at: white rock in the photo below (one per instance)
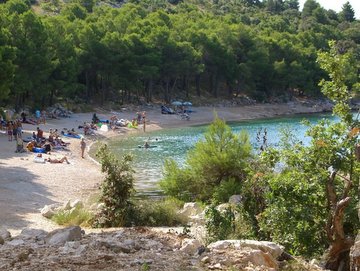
(273, 249)
(61, 236)
(205, 259)
(190, 209)
(49, 210)
(67, 205)
(76, 204)
(190, 246)
(260, 258)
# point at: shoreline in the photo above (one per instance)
(25, 186)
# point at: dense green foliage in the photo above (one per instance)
(164, 49)
(214, 169)
(311, 204)
(116, 190)
(304, 196)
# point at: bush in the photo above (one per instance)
(221, 158)
(231, 223)
(155, 213)
(116, 190)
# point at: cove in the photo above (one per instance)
(174, 143)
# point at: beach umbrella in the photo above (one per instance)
(176, 103)
(187, 104)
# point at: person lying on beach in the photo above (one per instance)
(58, 161)
(31, 145)
(60, 141)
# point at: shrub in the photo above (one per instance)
(220, 158)
(116, 189)
(231, 223)
(154, 213)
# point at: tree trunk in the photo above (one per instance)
(87, 83)
(197, 83)
(337, 256)
(150, 90)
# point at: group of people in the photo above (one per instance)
(14, 129)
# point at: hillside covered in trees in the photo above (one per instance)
(98, 51)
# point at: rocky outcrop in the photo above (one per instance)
(61, 236)
(132, 249)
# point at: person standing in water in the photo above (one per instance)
(83, 146)
(144, 120)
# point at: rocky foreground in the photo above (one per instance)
(133, 249)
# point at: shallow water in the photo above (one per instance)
(174, 143)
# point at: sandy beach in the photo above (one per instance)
(26, 186)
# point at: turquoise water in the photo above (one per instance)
(174, 143)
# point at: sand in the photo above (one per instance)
(26, 187)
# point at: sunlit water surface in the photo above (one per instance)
(174, 143)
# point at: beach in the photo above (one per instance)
(26, 187)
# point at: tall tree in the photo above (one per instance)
(347, 13)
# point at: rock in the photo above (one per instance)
(35, 234)
(205, 259)
(235, 199)
(190, 209)
(61, 236)
(190, 246)
(76, 204)
(260, 258)
(67, 205)
(73, 248)
(49, 210)
(355, 255)
(113, 245)
(16, 242)
(273, 249)
(5, 234)
(1, 241)
(199, 232)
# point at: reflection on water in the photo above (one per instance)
(174, 143)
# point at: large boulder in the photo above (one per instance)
(273, 249)
(190, 209)
(36, 234)
(61, 236)
(190, 246)
(239, 253)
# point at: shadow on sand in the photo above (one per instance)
(20, 196)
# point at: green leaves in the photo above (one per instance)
(116, 189)
(214, 169)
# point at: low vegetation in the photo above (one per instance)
(79, 216)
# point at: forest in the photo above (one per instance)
(122, 51)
